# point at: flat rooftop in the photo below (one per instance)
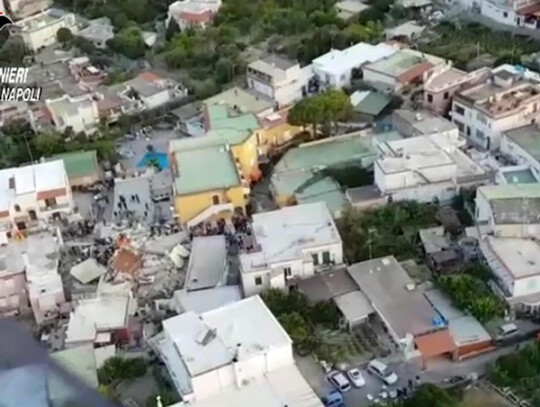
(402, 62)
(328, 285)
(449, 77)
(207, 263)
(242, 100)
(79, 163)
(41, 20)
(213, 339)
(195, 175)
(283, 234)
(520, 256)
(336, 61)
(496, 100)
(394, 296)
(528, 138)
(424, 122)
(326, 153)
(282, 387)
(494, 192)
(519, 176)
(229, 124)
(422, 152)
(206, 300)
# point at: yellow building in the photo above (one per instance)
(208, 183)
(213, 173)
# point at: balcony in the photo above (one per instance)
(53, 208)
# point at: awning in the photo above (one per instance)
(435, 344)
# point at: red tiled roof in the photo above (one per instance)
(529, 9)
(150, 76)
(435, 344)
(204, 17)
(415, 72)
(52, 193)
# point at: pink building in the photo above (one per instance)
(441, 84)
(13, 296)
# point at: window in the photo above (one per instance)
(315, 257)
(215, 200)
(505, 14)
(446, 95)
(258, 280)
(50, 202)
(480, 135)
(17, 208)
(430, 98)
(459, 110)
(460, 125)
(287, 271)
(481, 118)
(468, 131)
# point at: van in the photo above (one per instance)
(333, 399)
(382, 371)
(507, 330)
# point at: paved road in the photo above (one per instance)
(437, 371)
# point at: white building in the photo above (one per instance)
(289, 244)
(101, 320)
(511, 210)
(33, 193)
(404, 68)
(80, 113)
(334, 68)
(193, 13)
(23, 8)
(504, 102)
(40, 30)
(279, 79)
(516, 13)
(514, 263)
(44, 284)
(522, 146)
(149, 90)
(98, 32)
(237, 355)
(426, 168)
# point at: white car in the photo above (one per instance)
(382, 371)
(339, 381)
(356, 378)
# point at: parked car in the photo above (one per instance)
(382, 371)
(339, 381)
(356, 378)
(333, 399)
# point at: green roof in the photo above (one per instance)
(373, 103)
(524, 176)
(329, 152)
(492, 192)
(230, 127)
(242, 99)
(79, 163)
(326, 190)
(528, 138)
(205, 169)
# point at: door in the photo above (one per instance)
(326, 257)
(315, 257)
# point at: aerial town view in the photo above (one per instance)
(269, 203)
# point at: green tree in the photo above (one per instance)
(130, 43)
(12, 51)
(116, 369)
(429, 395)
(224, 70)
(326, 108)
(172, 29)
(50, 143)
(64, 36)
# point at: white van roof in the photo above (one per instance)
(377, 364)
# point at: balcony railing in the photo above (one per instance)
(55, 207)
